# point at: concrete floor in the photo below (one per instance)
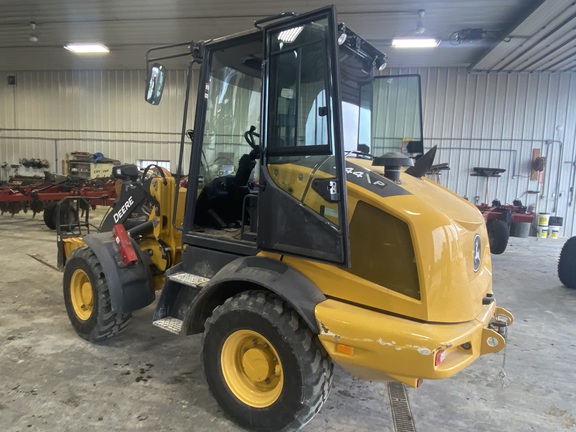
(149, 380)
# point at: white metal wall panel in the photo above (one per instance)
(493, 120)
(496, 120)
(51, 113)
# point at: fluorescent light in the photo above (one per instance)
(415, 43)
(290, 35)
(87, 48)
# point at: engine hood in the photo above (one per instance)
(417, 234)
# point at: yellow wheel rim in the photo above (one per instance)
(252, 368)
(81, 294)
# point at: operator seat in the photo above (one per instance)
(245, 167)
(219, 204)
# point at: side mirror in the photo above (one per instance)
(155, 83)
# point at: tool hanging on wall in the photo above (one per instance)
(487, 172)
(35, 163)
(436, 170)
(538, 165)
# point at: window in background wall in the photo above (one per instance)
(143, 163)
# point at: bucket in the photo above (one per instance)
(554, 231)
(555, 221)
(520, 229)
(543, 219)
(542, 231)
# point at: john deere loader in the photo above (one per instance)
(301, 239)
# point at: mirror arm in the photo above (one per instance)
(164, 47)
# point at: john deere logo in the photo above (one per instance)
(477, 251)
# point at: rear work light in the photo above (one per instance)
(439, 357)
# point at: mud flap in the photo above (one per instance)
(130, 286)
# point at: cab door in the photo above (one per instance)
(302, 206)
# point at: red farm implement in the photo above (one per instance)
(42, 195)
(502, 220)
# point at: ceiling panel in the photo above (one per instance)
(129, 27)
(544, 41)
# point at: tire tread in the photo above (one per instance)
(318, 367)
(108, 323)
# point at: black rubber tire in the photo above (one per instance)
(306, 366)
(102, 323)
(68, 216)
(49, 218)
(498, 234)
(567, 264)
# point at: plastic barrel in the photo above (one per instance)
(520, 229)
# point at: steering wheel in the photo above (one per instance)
(190, 134)
(249, 137)
(157, 168)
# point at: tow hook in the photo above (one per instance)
(500, 324)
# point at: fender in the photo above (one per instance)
(130, 287)
(243, 274)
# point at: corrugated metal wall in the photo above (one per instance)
(496, 120)
(477, 120)
(49, 114)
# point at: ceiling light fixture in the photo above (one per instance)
(415, 43)
(419, 38)
(87, 48)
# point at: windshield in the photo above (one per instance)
(380, 114)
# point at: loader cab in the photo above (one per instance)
(267, 170)
(267, 119)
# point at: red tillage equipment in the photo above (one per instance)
(37, 195)
(500, 218)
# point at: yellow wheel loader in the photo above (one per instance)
(302, 240)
